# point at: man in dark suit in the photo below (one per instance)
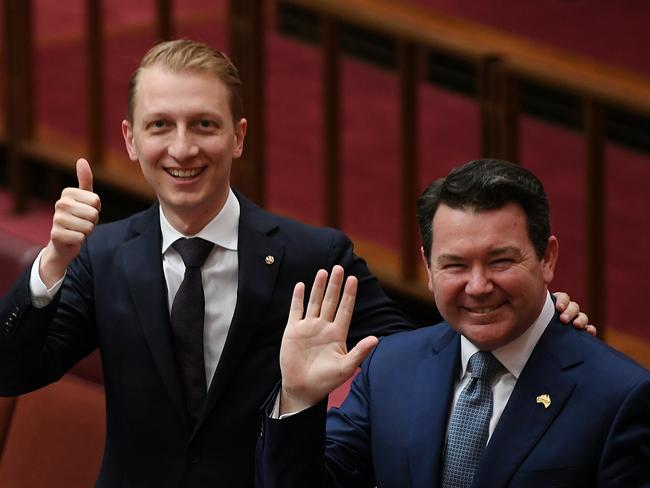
(181, 410)
(498, 395)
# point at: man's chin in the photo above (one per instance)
(485, 336)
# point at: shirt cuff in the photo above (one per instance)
(275, 413)
(40, 295)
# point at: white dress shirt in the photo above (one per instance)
(513, 356)
(219, 276)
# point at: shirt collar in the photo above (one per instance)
(514, 354)
(223, 230)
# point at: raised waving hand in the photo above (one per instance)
(314, 359)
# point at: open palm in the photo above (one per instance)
(314, 359)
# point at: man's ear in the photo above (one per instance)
(425, 261)
(550, 259)
(127, 133)
(240, 134)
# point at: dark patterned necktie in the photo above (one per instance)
(187, 315)
(468, 429)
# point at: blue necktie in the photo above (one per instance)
(187, 315)
(467, 433)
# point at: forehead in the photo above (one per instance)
(161, 90)
(465, 230)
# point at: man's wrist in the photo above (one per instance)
(51, 269)
(291, 403)
(40, 294)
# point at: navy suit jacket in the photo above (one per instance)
(114, 298)
(391, 429)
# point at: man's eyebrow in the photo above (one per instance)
(505, 250)
(154, 116)
(448, 257)
(499, 251)
(208, 115)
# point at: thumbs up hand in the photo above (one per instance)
(75, 215)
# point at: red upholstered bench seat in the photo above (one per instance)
(56, 436)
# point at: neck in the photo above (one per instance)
(191, 222)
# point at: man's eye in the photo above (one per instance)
(453, 266)
(157, 124)
(502, 261)
(207, 124)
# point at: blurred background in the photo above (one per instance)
(354, 106)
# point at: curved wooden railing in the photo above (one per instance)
(502, 61)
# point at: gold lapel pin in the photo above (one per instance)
(545, 400)
(269, 259)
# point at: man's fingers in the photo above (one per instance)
(78, 203)
(561, 301)
(571, 311)
(296, 309)
(84, 175)
(358, 353)
(67, 237)
(581, 322)
(73, 223)
(346, 308)
(591, 329)
(332, 294)
(316, 295)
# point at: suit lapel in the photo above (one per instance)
(256, 283)
(434, 385)
(143, 268)
(524, 421)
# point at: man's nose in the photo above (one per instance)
(182, 146)
(478, 282)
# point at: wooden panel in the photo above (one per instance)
(19, 107)
(408, 74)
(487, 107)
(498, 104)
(332, 121)
(595, 196)
(247, 30)
(164, 20)
(95, 77)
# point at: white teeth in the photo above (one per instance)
(483, 309)
(184, 173)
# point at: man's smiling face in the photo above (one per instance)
(487, 280)
(185, 139)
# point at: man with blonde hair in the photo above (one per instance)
(186, 301)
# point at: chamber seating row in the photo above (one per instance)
(52, 437)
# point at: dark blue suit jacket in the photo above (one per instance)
(114, 298)
(390, 431)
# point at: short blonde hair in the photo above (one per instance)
(183, 55)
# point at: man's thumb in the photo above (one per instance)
(359, 352)
(84, 175)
